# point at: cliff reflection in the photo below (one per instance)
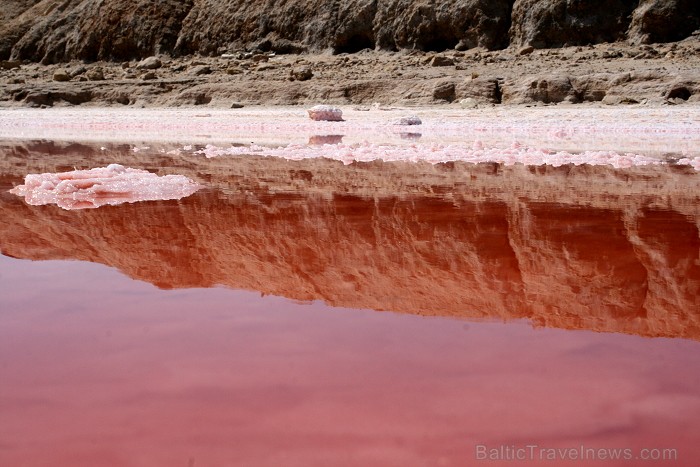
(565, 265)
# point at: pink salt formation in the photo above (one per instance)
(475, 153)
(112, 185)
(325, 113)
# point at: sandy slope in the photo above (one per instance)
(610, 73)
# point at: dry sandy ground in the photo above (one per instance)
(616, 73)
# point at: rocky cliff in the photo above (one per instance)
(570, 247)
(54, 31)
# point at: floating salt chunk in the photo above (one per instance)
(408, 120)
(114, 184)
(325, 112)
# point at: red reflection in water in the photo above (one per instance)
(560, 265)
(98, 369)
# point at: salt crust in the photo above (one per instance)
(111, 185)
(436, 153)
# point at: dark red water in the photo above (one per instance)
(99, 369)
(567, 325)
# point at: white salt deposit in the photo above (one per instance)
(325, 112)
(437, 153)
(112, 185)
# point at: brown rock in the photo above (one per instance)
(54, 31)
(593, 88)
(555, 23)
(61, 75)
(663, 20)
(612, 99)
(444, 90)
(301, 74)
(48, 98)
(545, 89)
(441, 60)
(77, 71)
(674, 101)
(200, 70)
(469, 103)
(38, 99)
(479, 89)
(408, 120)
(9, 64)
(150, 63)
(95, 74)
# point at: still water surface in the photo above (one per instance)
(310, 313)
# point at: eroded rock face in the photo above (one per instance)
(554, 23)
(60, 30)
(546, 89)
(479, 89)
(348, 27)
(664, 20)
(442, 25)
(13, 8)
(55, 31)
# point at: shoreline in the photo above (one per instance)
(656, 131)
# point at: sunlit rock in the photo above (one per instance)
(325, 112)
(408, 120)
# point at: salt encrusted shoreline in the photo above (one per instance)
(434, 154)
(666, 133)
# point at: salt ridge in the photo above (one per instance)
(111, 185)
(436, 153)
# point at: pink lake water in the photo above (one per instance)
(99, 369)
(313, 312)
